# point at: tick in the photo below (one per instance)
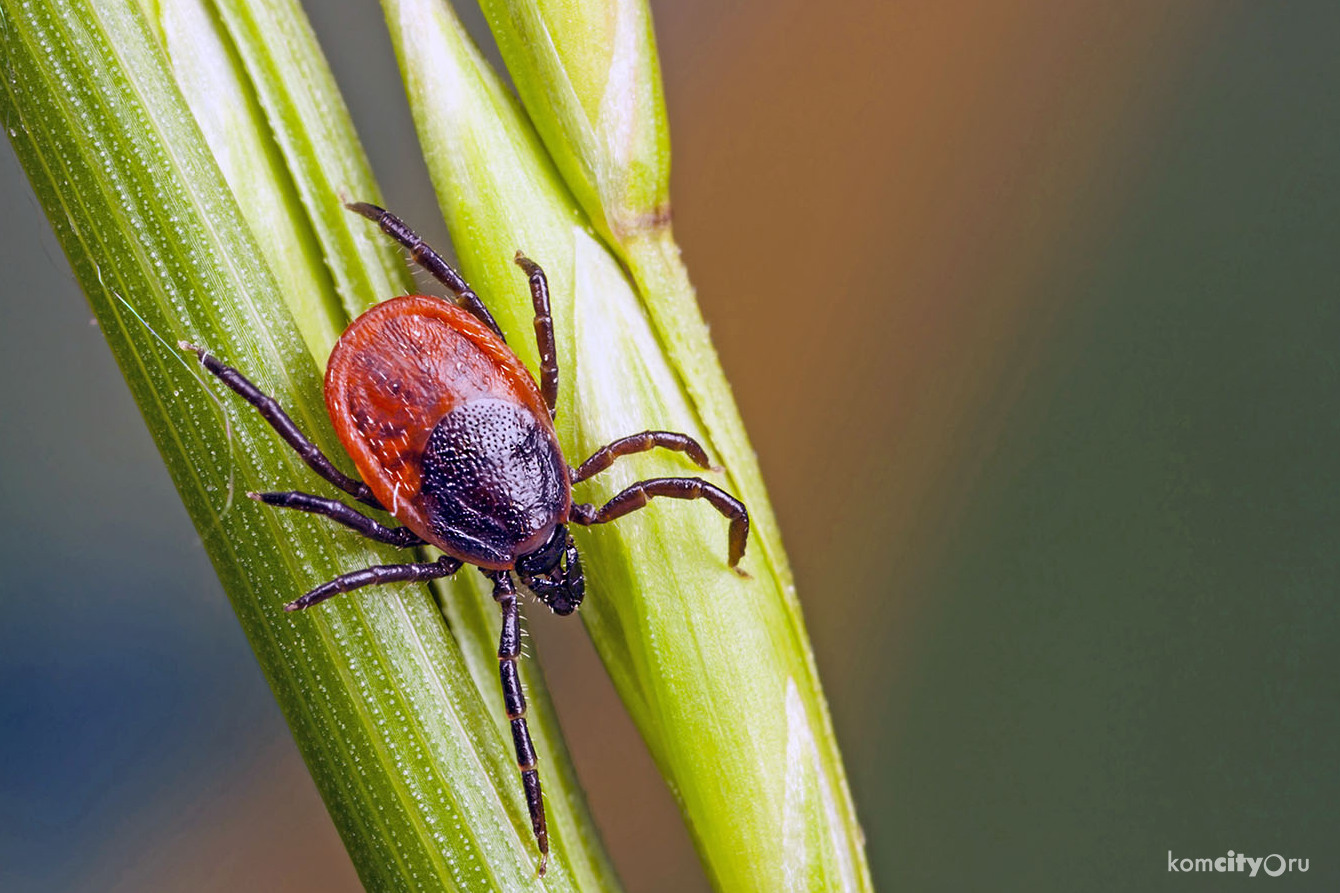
(454, 439)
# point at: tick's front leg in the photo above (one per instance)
(509, 650)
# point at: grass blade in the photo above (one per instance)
(376, 690)
(716, 671)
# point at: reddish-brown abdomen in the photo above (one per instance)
(395, 376)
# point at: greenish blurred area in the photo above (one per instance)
(1033, 314)
(1130, 644)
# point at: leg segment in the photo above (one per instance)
(509, 650)
(375, 576)
(430, 260)
(273, 413)
(340, 513)
(639, 494)
(544, 330)
(639, 443)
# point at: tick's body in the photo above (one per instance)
(453, 438)
(449, 431)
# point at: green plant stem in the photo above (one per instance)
(715, 670)
(380, 698)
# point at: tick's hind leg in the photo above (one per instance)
(430, 260)
(375, 576)
(636, 496)
(640, 443)
(509, 650)
(340, 513)
(273, 413)
(544, 330)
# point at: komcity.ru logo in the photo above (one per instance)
(1273, 865)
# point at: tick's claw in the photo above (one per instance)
(366, 209)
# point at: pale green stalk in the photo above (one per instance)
(589, 73)
(221, 98)
(716, 671)
(393, 715)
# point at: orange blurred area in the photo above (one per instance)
(869, 204)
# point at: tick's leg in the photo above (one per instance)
(509, 649)
(430, 260)
(639, 443)
(340, 513)
(273, 413)
(375, 576)
(639, 494)
(544, 330)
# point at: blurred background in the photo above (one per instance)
(1033, 315)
